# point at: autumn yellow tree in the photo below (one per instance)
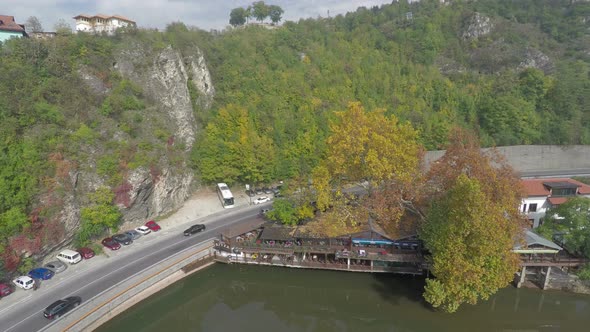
(371, 146)
(367, 148)
(472, 224)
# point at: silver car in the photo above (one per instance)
(56, 266)
(133, 234)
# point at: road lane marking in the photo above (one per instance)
(211, 230)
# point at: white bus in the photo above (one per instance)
(225, 195)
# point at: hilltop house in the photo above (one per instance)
(10, 29)
(543, 194)
(102, 23)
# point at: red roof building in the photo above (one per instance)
(10, 29)
(544, 194)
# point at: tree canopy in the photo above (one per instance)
(470, 240)
(471, 225)
(238, 16)
(569, 224)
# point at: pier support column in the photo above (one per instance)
(348, 264)
(546, 283)
(371, 265)
(522, 277)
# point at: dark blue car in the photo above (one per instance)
(41, 273)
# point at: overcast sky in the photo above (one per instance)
(205, 14)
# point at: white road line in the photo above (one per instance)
(106, 275)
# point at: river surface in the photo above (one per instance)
(229, 298)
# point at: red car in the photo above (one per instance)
(110, 243)
(5, 290)
(86, 253)
(153, 226)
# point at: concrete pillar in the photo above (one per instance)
(522, 277)
(348, 263)
(371, 265)
(546, 283)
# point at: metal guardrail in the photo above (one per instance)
(133, 287)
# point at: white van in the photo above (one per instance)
(69, 256)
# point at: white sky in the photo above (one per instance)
(205, 14)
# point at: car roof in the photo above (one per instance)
(24, 278)
(54, 304)
(68, 252)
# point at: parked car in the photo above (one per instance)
(60, 307)
(152, 225)
(86, 253)
(267, 190)
(194, 229)
(259, 191)
(5, 290)
(24, 282)
(41, 273)
(69, 256)
(56, 266)
(123, 239)
(110, 243)
(250, 193)
(261, 200)
(133, 234)
(143, 230)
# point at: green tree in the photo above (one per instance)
(260, 10)
(471, 243)
(284, 211)
(570, 223)
(99, 216)
(275, 12)
(238, 16)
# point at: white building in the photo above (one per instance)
(102, 23)
(543, 194)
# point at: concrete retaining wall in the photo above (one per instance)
(530, 158)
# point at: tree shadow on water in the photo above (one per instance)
(393, 288)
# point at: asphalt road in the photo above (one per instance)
(27, 314)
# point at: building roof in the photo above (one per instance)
(272, 231)
(541, 187)
(7, 23)
(103, 16)
(535, 240)
(557, 200)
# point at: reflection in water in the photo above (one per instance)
(250, 298)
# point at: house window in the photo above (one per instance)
(533, 207)
(524, 208)
(563, 191)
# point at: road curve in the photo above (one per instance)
(27, 314)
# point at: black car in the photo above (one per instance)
(194, 229)
(60, 307)
(123, 239)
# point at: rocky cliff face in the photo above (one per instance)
(164, 77)
(477, 26)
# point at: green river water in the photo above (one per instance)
(251, 298)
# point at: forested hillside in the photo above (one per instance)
(514, 71)
(73, 108)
